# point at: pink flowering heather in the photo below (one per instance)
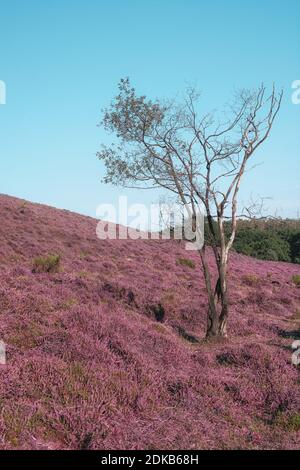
(105, 350)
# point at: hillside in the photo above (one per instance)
(108, 352)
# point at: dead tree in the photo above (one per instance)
(200, 160)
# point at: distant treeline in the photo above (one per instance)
(267, 239)
(274, 240)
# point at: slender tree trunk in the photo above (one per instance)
(223, 296)
(212, 323)
(223, 321)
(224, 315)
(212, 314)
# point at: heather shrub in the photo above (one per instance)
(177, 391)
(46, 264)
(186, 262)
(119, 293)
(25, 336)
(257, 297)
(249, 355)
(265, 392)
(297, 314)
(296, 279)
(226, 359)
(88, 367)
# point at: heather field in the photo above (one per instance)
(105, 346)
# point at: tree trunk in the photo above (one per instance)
(212, 323)
(212, 314)
(223, 297)
(223, 321)
(217, 324)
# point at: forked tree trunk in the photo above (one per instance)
(217, 322)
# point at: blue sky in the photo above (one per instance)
(61, 61)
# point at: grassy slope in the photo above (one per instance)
(90, 367)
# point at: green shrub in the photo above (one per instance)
(296, 279)
(69, 303)
(250, 279)
(294, 422)
(46, 264)
(186, 262)
(294, 240)
(289, 423)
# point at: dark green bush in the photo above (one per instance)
(294, 241)
(262, 244)
(267, 239)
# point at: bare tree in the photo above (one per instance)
(201, 160)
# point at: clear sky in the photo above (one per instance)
(61, 61)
